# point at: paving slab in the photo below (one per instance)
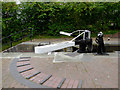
(8, 81)
(94, 73)
(101, 72)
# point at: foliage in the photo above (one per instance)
(48, 18)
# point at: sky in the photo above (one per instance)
(17, 2)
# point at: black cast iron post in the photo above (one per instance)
(11, 40)
(31, 34)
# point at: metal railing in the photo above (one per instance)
(10, 39)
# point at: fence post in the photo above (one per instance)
(31, 34)
(10, 40)
(22, 35)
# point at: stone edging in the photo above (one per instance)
(20, 78)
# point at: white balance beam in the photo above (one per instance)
(53, 47)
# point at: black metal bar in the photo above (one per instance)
(44, 80)
(20, 38)
(30, 34)
(23, 60)
(19, 32)
(26, 36)
(17, 40)
(25, 70)
(10, 40)
(61, 83)
(33, 75)
(6, 37)
(11, 43)
(13, 34)
(80, 84)
(23, 65)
